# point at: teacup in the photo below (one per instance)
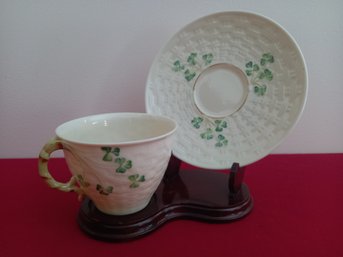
(117, 160)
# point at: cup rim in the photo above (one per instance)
(103, 116)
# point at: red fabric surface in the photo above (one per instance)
(298, 211)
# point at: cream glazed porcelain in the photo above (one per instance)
(117, 160)
(236, 84)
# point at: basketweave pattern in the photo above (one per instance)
(261, 124)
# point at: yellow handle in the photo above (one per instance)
(44, 156)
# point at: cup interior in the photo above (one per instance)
(116, 128)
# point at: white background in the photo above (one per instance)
(65, 59)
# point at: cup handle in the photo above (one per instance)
(44, 156)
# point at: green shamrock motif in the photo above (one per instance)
(178, 66)
(260, 90)
(221, 141)
(124, 164)
(208, 58)
(220, 125)
(193, 64)
(215, 127)
(208, 134)
(267, 58)
(108, 153)
(192, 58)
(260, 73)
(189, 75)
(135, 180)
(104, 191)
(196, 122)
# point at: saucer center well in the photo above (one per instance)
(220, 90)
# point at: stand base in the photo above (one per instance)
(198, 195)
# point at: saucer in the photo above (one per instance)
(236, 84)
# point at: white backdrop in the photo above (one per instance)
(64, 59)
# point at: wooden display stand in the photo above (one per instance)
(203, 195)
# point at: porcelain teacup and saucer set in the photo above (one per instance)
(221, 94)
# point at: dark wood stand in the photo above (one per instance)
(203, 195)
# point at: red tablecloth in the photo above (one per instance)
(298, 211)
